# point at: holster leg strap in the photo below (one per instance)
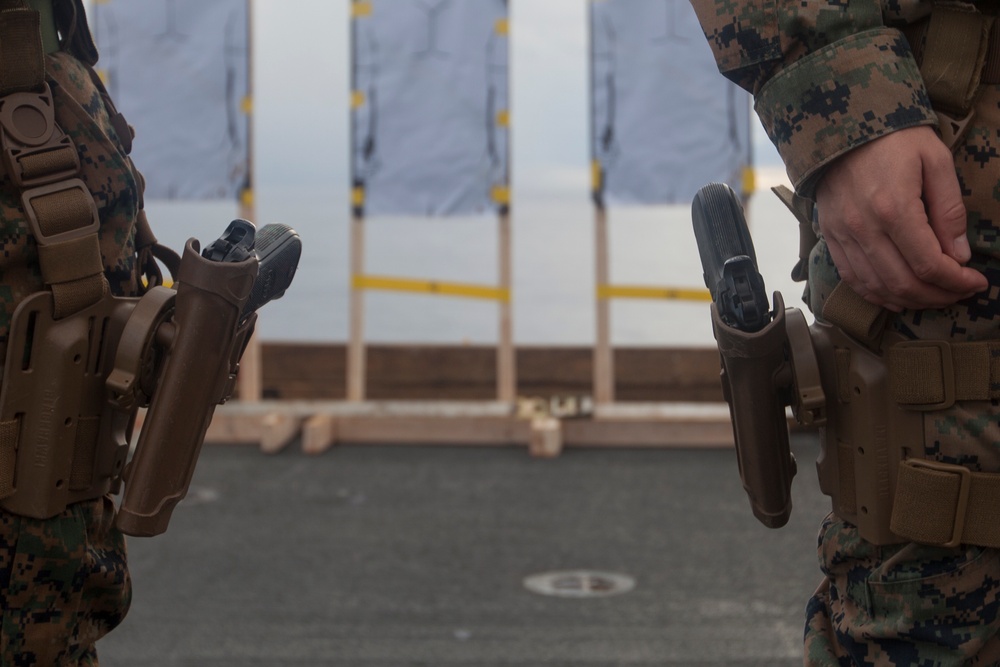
(946, 505)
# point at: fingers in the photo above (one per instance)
(893, 218)
(880, 272)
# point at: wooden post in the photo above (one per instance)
(356, 345)
(250, 383)
(506, 362)
(604, 367)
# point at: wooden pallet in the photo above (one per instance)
(320, 425)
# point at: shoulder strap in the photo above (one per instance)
(43, 164)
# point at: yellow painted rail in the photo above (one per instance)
(639, 292)
(431, 287)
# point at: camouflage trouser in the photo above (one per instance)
(64, 584)
(911, 604)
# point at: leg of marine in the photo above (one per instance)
(64, 584)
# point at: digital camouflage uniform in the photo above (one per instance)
(828, 76)
(64, 581)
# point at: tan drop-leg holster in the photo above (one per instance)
(81, 362)
(873, 392)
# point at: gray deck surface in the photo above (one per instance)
(406, 556)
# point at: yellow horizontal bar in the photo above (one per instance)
(431, 287)
(636, 292)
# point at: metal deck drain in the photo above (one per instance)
(579, 584)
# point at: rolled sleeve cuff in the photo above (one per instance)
(840, 97)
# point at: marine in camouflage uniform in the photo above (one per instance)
(829, 77)
(64, 582)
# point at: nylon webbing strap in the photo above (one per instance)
(954, 54)
(932, 375)
(65, 223)
(946, 505)
(858, 318)
(9, 431)
(42, 162)
(22, 59)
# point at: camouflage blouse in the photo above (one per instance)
(826, 75)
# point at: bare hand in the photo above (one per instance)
(892, 215)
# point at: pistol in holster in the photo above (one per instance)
(864, 386)
(72, 388)
(73, 385)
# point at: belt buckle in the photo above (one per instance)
(91, 227)
(965, 485)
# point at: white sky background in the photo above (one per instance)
(301, 152)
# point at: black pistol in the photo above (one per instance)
(753, 346)
(728, 258)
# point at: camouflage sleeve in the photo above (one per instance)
(826, 76)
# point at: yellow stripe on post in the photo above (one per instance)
(358, 197)
(596, 180)
(430, 287)
(246, 105)
(500, 194)
(357, 99)
(246, 198)
(638, 292)
(502, 27)
(503, 118)
(361, 9)
(749, 181)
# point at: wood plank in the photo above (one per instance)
(317, 371)
(274, 424)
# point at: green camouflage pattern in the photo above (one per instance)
(842, 100)
(902, 605)
(64, 584)
(105, 169)
(826, 76)
(937, 607)
(64, 581)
